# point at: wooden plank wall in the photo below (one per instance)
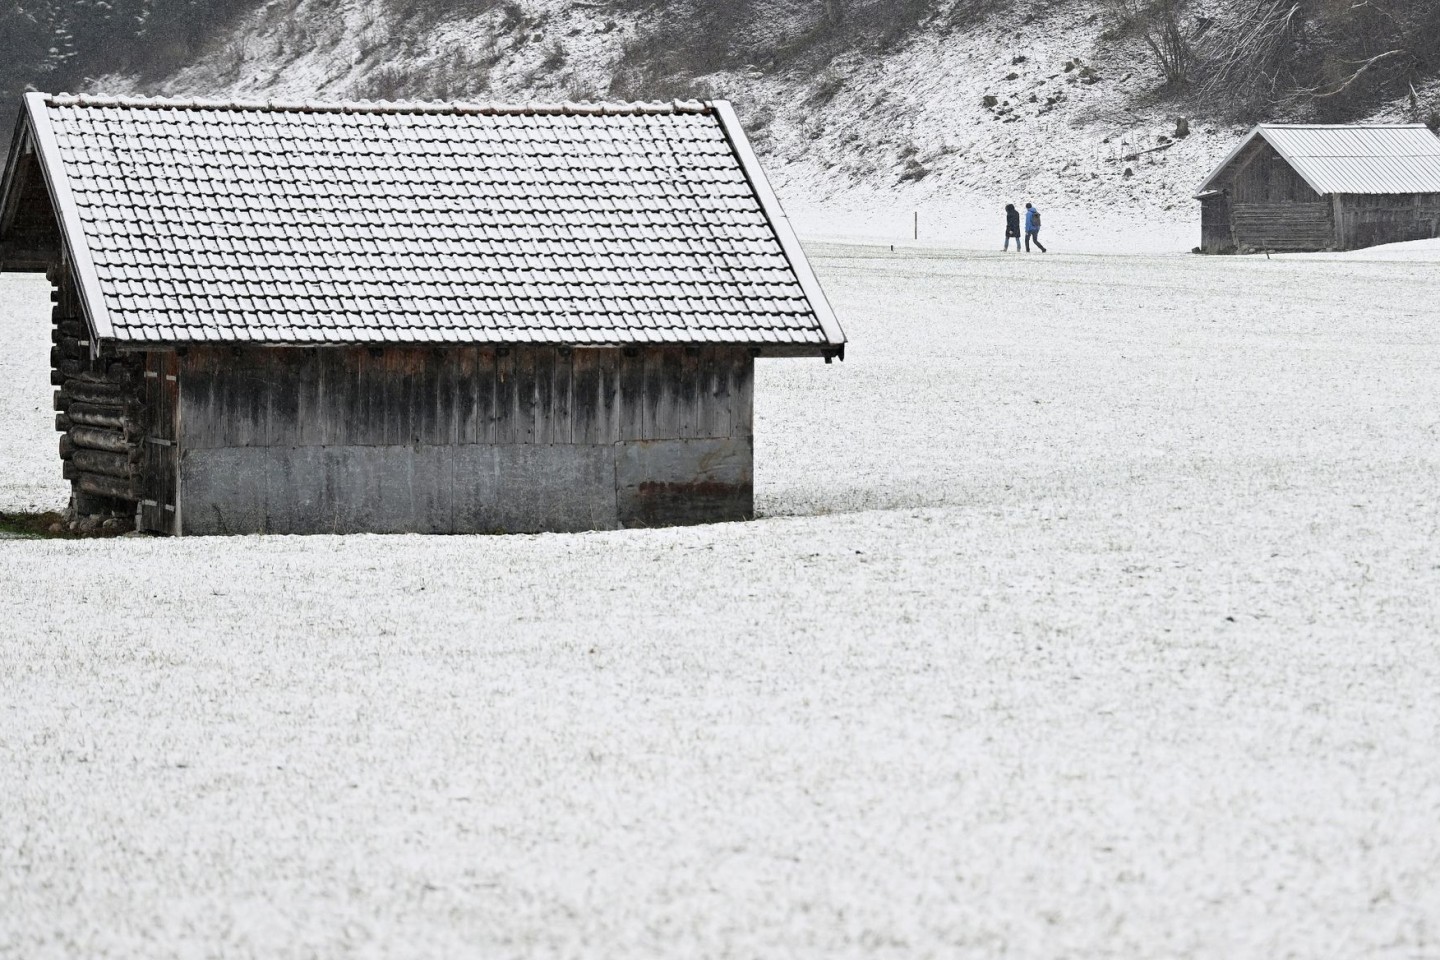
(463, 439)
(1265, 205)
(33, 242)
(157, 513)
(1283, 226)
(1216, 233)
(1262, 176)
(402, 395)
(1365, 221)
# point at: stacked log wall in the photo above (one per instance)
(99, 414)
(1283, 226)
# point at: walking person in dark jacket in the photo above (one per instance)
(1032, 229)
(1012, 227)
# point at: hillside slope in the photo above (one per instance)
(865, 110)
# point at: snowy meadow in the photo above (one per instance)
(1093, 611)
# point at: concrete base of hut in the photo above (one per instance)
(479, 488)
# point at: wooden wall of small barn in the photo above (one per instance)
(1216, 234)
(1282, 227)
(33, 236)
(1263, 176)
(462, 440)
(1269, 207)
(1365, 221)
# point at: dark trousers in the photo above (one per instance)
(1034, 235)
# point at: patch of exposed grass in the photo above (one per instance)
(30, 525)
(47, 525)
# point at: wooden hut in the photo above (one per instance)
(334, 317)
(1297, 188)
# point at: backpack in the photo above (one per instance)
(1037, 219)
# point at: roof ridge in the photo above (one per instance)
(487, 108)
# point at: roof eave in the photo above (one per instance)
(759, 350)
(67, 215)
(784, 231)
(1205, 185)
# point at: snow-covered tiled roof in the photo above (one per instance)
(277, 222)
(1366, 158)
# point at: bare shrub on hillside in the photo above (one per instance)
(963, 13)
(236, 55)
(554, 57)
(455, 75)
(830, 84)
(1325, 58)
(422, 14)
(582, 91)
(695, 38)
(634, 83)
(383, 83)
(1166, 31)
(1253, 60)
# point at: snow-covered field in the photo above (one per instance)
(1093, 614)
(957, 225)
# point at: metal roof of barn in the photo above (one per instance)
(1367, 158)
(193, 221)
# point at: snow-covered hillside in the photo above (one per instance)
(867, 110)
(883, 127)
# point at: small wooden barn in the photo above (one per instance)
(336, 317)
(1299, 188)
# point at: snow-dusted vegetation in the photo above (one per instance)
(1091, 613)
(853, 103)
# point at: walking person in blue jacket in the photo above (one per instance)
(1032, 229)
(1012, 227)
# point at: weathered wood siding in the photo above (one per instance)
(1262, 176)
(33, 236)
(1265, 205)
(1283, 226)
(1216, 234)
(462, 439)
(160, 474)
(1365, 221)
